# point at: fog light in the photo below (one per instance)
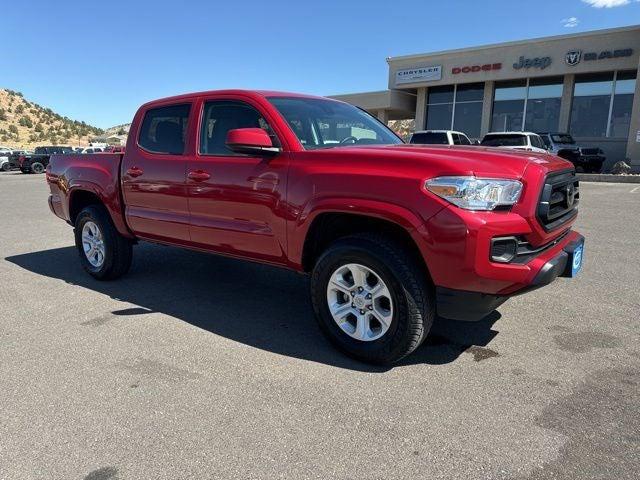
(503, 249)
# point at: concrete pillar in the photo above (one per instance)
(487, 107)
(421, 108)
(383, 116)
(633, 145)
(565, 102)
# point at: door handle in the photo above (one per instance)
(135, 172)
(198, 175)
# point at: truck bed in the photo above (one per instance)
(97, 173)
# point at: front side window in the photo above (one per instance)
(220, 116)
(164, 129)
(320, 123)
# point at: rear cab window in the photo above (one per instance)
(506, 140)
(430, 138)
(164, 129)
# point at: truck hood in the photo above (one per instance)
(457, 160)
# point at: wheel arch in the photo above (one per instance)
(328, 226)
(81, 196)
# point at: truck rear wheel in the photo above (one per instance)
(104, 253)
(371, 300)
(37, 167)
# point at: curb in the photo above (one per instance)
(608, 178)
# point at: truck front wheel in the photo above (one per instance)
(371, 300)
(104, 253)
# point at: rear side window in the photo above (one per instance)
(164, 129)
(537, 142)
(545, 139)
(430, 138)
(504, 141)
(220, 116)
(464, 140)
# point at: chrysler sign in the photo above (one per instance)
(419, 74)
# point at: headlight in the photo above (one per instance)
(473, 193)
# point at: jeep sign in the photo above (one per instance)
(419, 74)
(538, 62)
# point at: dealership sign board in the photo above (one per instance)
(573, 58)
(419, 74)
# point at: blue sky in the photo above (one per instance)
(98, 61)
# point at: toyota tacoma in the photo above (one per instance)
(392, 234)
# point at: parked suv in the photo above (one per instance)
(528, 141)
(440, 137)
(37, 162)
(588, 160)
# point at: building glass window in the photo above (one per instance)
(543, 105)
(508, 106)
(456, 107)
(602, 104)
(440, 107)
(625, 87)
(591, 102)
(532, 105)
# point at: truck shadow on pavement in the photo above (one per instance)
(261, 306)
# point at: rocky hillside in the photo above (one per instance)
(117, 130)
(25, 124)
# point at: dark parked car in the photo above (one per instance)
(15, 157)
(38, 161)
(587, 160)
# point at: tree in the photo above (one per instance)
(13, 129)
(121, 131)
(25, 122)
(38, 127)
(3, 114)
(19, 109)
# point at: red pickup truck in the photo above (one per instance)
(392, 234)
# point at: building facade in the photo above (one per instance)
(585, 84)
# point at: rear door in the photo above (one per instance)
(154, 174)
(236, 201)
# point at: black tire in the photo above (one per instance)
(37, 167)
(25, 170)
(118, 249)
(411, 291)
(6, 167)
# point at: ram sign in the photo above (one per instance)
(419, 74)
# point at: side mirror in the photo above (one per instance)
(251, 141)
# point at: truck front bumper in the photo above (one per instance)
(472, 306)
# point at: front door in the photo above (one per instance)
(154, 176)
(236, 201)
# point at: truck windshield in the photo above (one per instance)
(320, 123)
(564, 138)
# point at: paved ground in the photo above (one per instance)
(201, 367)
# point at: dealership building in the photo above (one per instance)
(584, 84)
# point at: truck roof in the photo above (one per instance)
(249, 93)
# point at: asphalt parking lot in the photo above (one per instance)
(194, 366)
